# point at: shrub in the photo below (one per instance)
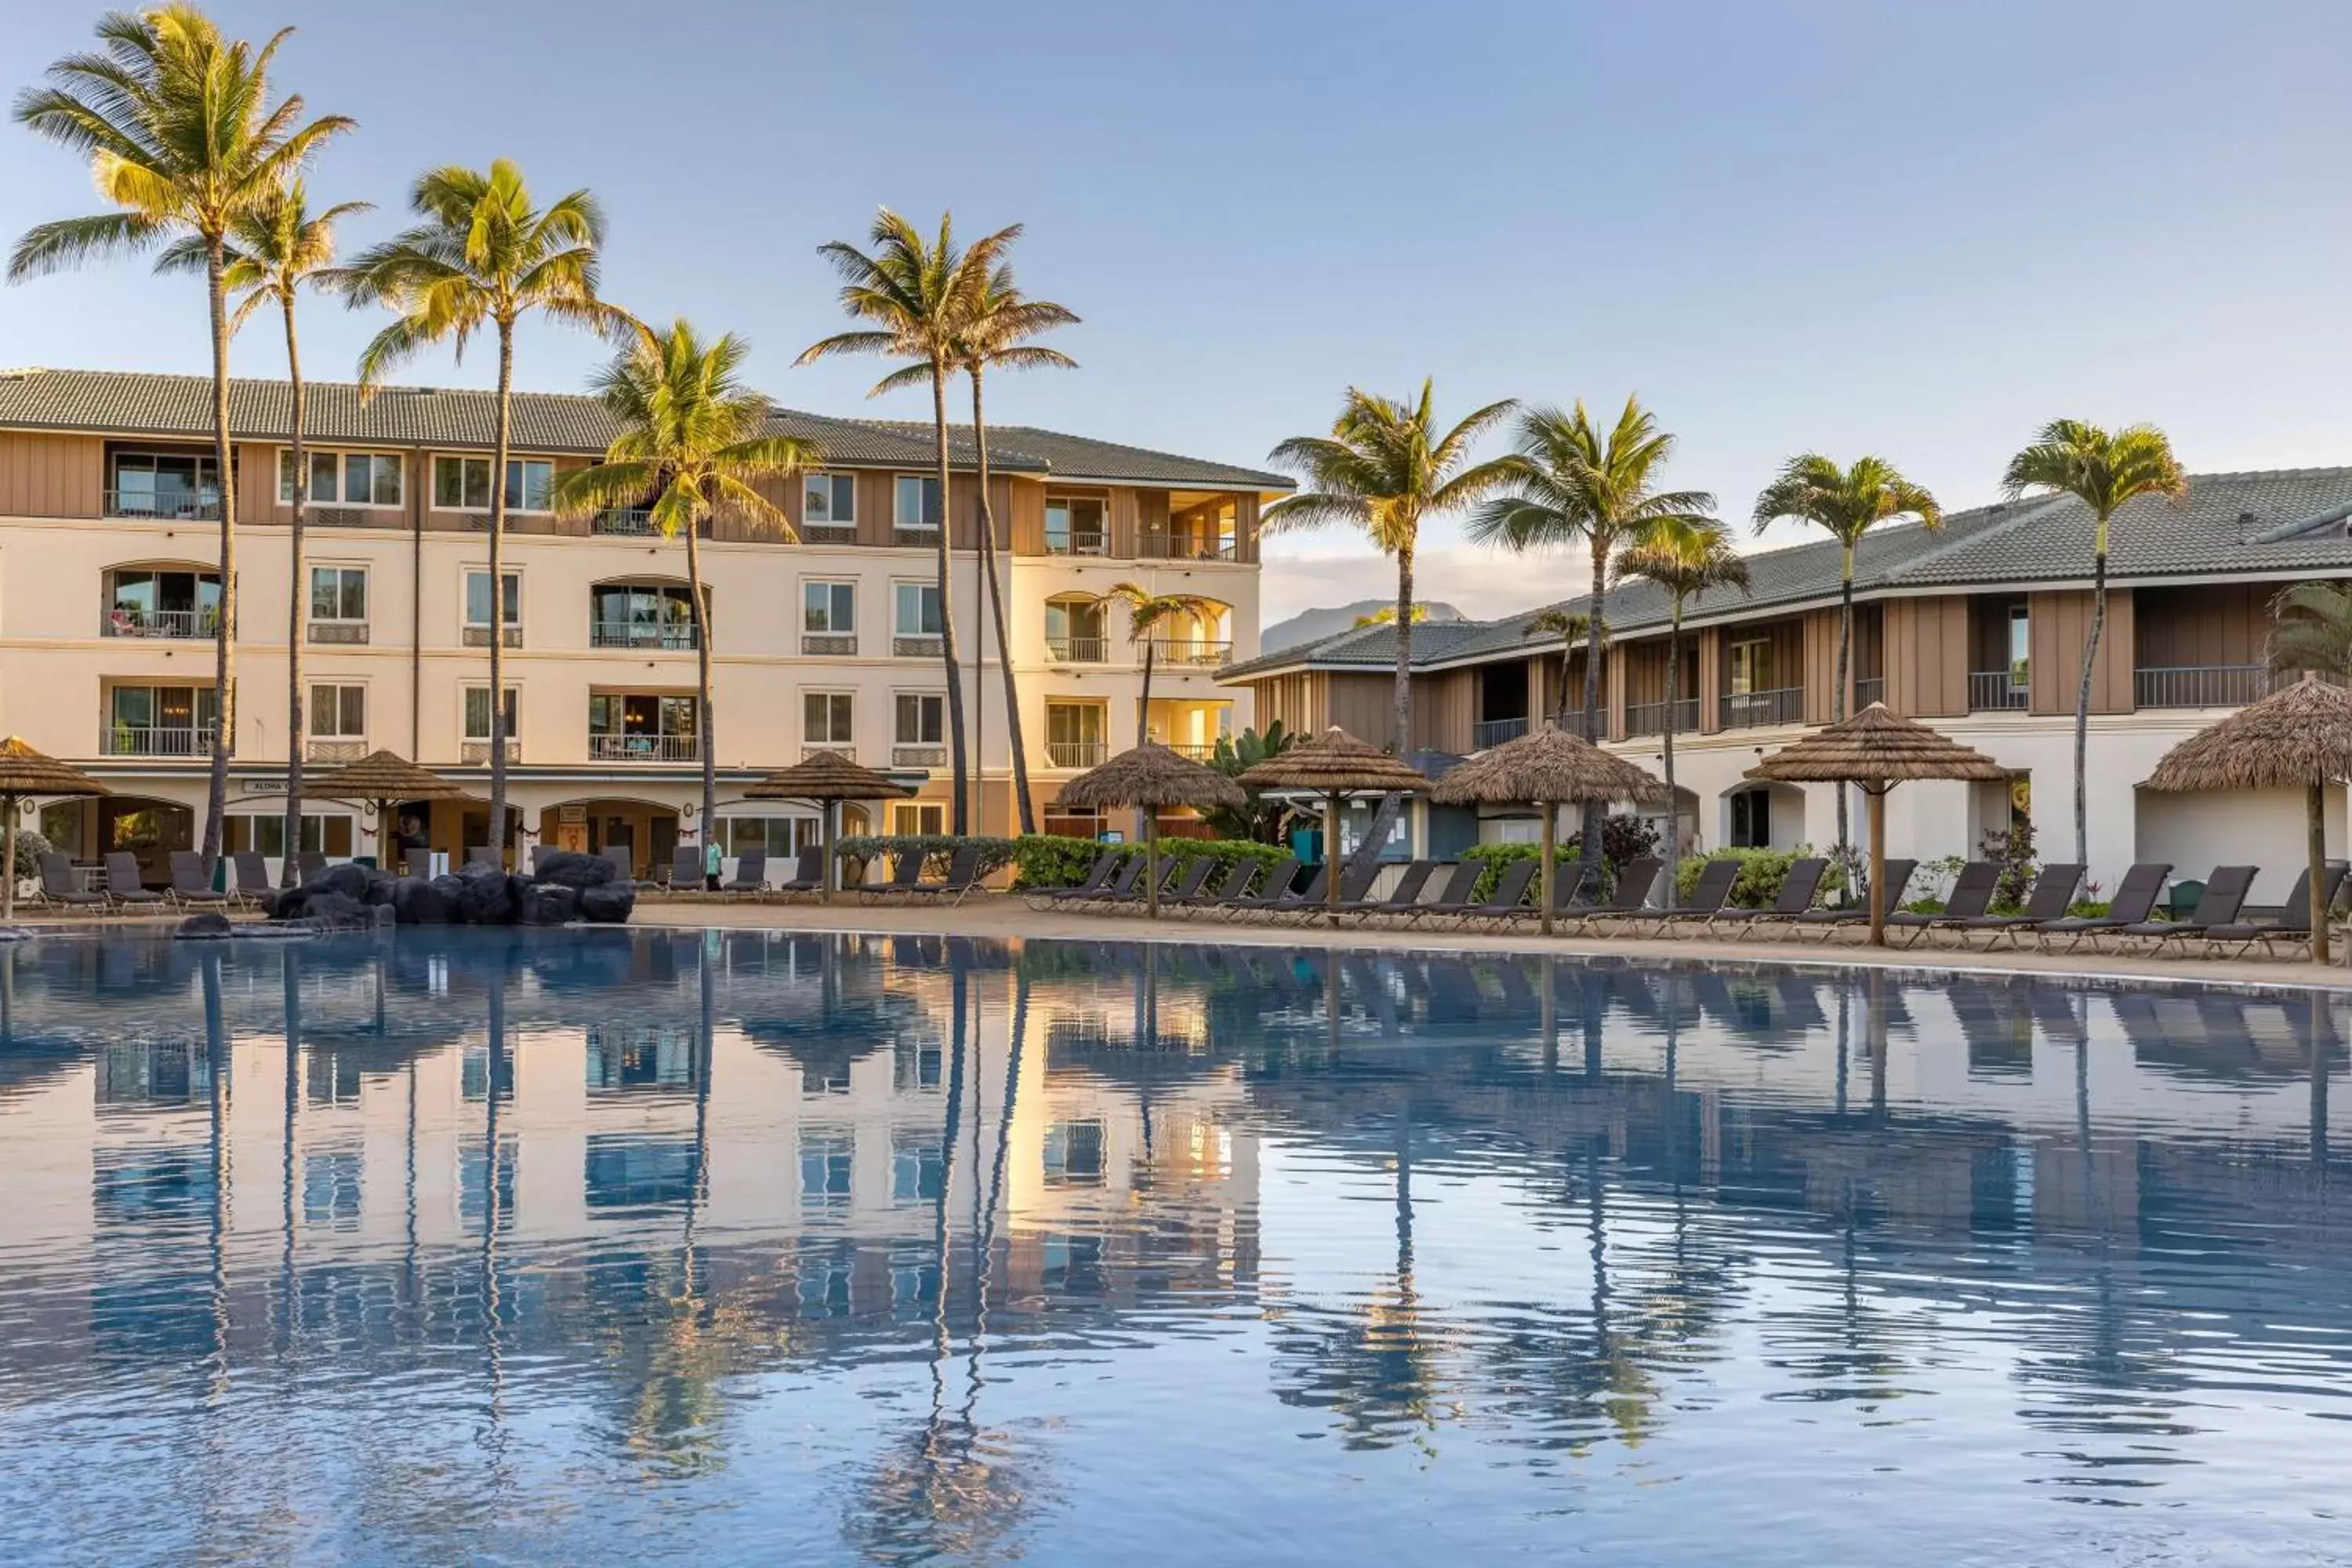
(1050, 860)
(937, 849)
(30, 848)
(1761, 874)
(1623, 838)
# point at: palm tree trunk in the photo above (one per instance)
(960, 807)
(1567, 666)
(1674, 801)
(2315, 821)
(1401, 738)
(708, 736)
(296, 591)
(224, 621)
(1019, 748)
(1589, 838)
(1837, 694)
(504, 433)
(2083, 698)
(1143, 698)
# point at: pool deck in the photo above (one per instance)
(999, 916)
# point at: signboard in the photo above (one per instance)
(262, 786)
(568, 815)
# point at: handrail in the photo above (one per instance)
(1752, 710)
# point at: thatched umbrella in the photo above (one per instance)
(1549, 768)
(1150, 776)
(825, 779)
(383, 779)
(2297, 737)
(26, 771)
(1876, 749)
(1332, 764)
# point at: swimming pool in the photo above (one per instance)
(657, 1245)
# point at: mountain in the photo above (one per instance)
(1313, 626)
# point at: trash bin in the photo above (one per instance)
(2182, 899)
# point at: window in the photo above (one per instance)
(633, 616)
(1751, 819)
(162, 484)
(922, 719)
(827, 1160)
(829, 501)
(160, 721)
(781, 837)
(643, 714)
(338, 712)
(463, 484)
(1074, 1154)
(478, 601)
(2021, 645)
(346, 479)
(909, 817)
(826, 718)
(915, 502)
(339, 593)
(162, 603)
(1074, 526)
(829, 609)
(330, 835)
(477, 713)
(1074, 630)
(917, 1172)
(1751, 667)
(917, 609)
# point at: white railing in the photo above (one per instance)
(632, 521)
(1075, 650)
(640, 634)
(180, 506)
(156, 740)
(1074, 753)
(1206, 652)
(645, 747)
(123, 623)
(1075, 544)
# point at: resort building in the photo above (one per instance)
(109, 589)
(1976, 627)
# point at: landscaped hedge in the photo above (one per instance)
(938, 850)
(1761, 874)
(30, 848)
(1050, 860)
(1495, 858)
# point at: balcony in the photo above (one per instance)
(1184, 547)
(1650, 718)
(1081, 543)
(2208, 685)
(1075, 650)
(1993, 691)
(156, 740)
(919, 646)
(913, 754)
(340, 633)
(645, 747)
(162, 505)
(641, 634)
(334, 750)
(1202, 653)
(171, 623)
(625, 521)
(1752, 710)
(1866, 692)
(1199, 750)
(829, 645)
(479, 637)
(478, 751)
(1495, 731)
(1074, 753)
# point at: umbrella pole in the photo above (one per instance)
(2315, 805)
(8, 858)
(1151, 862)
(1332, 858)
(1877, 798)
(826, 808)
(1550, 836)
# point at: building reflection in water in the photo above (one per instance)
(644, 1189)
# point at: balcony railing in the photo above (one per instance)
(161, 623)
(632, 521)
(174, 506)
(1074, 753)
(345, 632)
(1991, 691)
(841, 749)
(1076, 543)
(479, 637)
(639, 634)
(905, 647)
(1495, 731)
(829, 645)
(334, 750)
(1185, 547)
(911, 754)
(2208, 685)
(645, 747)
(478, 751)
(156, 740)
(1075, 650)
(1203, 652)
(1748, 710)
(1650, 718)
(1199, 750)
(1866, 692)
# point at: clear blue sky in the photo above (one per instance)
(1912, 229)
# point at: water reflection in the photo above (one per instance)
(912, 1249)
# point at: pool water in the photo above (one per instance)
(523, 1247)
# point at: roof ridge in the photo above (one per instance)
(1997, 525)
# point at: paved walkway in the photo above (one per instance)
(1005, 916)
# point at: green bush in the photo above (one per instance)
(938, 850)
(30, 848)
(1761, 874)
(1497, 857)
(1047, 861)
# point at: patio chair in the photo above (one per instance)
(1276, 883)
(2294, 924)
(61, 888)
(1635, 880)
(1404, 896)
(1971, 895)
(686, 868)
(906, 875)
(539, 853)
(1231, 886)
(1454, 894)
(1796, 896)
(2135, 899)
(253, 886)
(311, 865)
(963, 874)
(1828, 922)
(1569, 885)
(2224, 896)
(124, 886)
(192, 881)
(1509, 896)
(1122, 881)
(1187, 888)
(750, 874)
(417, 863)
(2053, 896)
(808, 873)
(1708, 896)
(1096, 876)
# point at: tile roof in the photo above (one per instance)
(143, 404)
(2270, 523)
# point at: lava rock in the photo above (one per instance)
(569, 869)
(485, 895)
(205, 923)
(333, 909)
(549, 904)
(608, 903)
(418, 902)
(378, 892)
(350, 878)
(453, 897)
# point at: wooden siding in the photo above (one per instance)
(1787, 658)
(1362, 704)
(1711, 664)
(51, 476)
(1927, 652)
(1817, 664)
(1245, 526)
(2220, 622)
(2060, 624)
(1614, 665)
(1869, 642)
(1025, 509)
(1444, 710)
(1646, 671)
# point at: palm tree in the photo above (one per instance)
(921, 296)
(181, 139)
(1386, 617)
(2314, 630)
(691, 441)
(1146, 612)
(1569, 626)
(275, 250)
(1577, 484)
(1686, 558)
(484, 258)
(1848, 503)
(2103, 471)
(1383, 470)
(1002, 322)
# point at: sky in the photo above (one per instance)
(1909, 229)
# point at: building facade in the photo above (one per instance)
(1976, 627)
(828, 638)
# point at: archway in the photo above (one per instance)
(146, 825)
(647, 829)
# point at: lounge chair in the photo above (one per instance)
(539, 853)
(123, 884)
(2053, 896)
(2294, 924)
(2224, 896)
(61, 888)
(1232, 885)
(1510, 895)
(1635, 880)
(2135, 899)
(906, 875)
(192, 881)
(418, 863)
(1796, 896)
(1453, 895)
(1828, 922)
(1569, 884)
(1273, 886)
(1404, 896)
(963, 874)
(1291, 900)
(1970, 897)
(1709, 895)
(1121, 883)
(686, 868)
(253, 886)
(1098, 874)
(1195, 877)
(808, 872)
(311, 865)
(750, 874)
